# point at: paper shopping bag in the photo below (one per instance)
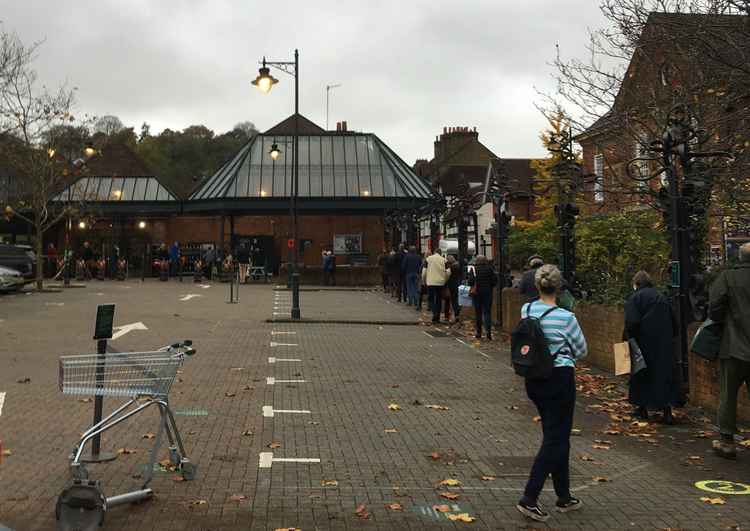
(622, 358)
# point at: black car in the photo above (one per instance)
(18, 257)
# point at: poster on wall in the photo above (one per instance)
(347, 243)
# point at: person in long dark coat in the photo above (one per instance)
(649, 320)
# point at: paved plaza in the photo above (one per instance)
(329, 425)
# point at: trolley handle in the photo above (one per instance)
(183, 347)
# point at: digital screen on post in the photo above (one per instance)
(105, 317)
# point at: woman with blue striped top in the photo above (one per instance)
(554, 397)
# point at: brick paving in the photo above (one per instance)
(352, 373)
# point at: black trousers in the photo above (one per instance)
(434, 294)
(483, 309)
(555, 399)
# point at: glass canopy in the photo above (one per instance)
(331, 166)
(107, 189)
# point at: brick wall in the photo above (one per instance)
(602, 326)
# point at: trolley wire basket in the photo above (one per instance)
(119, 374)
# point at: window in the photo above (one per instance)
(599, 178)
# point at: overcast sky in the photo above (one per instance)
(407, 68)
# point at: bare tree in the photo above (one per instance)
(108, 125)
(32, 120)
(248, 129)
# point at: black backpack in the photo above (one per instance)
(529, 350)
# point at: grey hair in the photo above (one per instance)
(481, 259)
(745, 252)
(548, 279)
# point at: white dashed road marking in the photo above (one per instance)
(274, 333)
(273, 381)
(124, 329)
(269, 411)
(275, 344)
(279, 360)
(2, 401)
(266, 459)
(190, 296)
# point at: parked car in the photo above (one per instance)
(18, 257)
(10, 280)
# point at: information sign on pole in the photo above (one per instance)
(674, 273)
(105, 317)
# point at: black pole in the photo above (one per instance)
(295, 275)
(500, 256)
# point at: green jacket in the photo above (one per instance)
(730, 304)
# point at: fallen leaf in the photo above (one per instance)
(713, 501)
(703, 434)
(329, 483)
(442, 508)
(745, 443)
(148, 435)
(450, 495)
(394, 407)
(248, 388)
(438, 407)
(394, 506)
(248, 433)
(695, 457)
(7, 453)
(178, 478)
(274, 445)
(450, 482)
(230, 395)
(511, 408)
(126, 451)
(435, 456)
(600, 479)
(639, 424)
(24, 380)
(575, 432)
(586, 457)
(537, 419)
(237, 497)
(391, 430)
(612, 432)
(600, 447)
(361, 511)
(488, 478)
(463, 517)
(196, 503)
(85, 400)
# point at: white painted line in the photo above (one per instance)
(124, 329)
(472, 347)
(273, 381)
(190, 296)
(273, 332)
(204, 286)
(2, 401)
(266, 459)
(274, 360)
(275, 344)
(269, 411)
(54, 304)
(280, 313)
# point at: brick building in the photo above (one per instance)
(460, 159)
(680, 58)
(347, 182)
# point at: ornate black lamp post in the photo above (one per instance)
(265, 81)
(674, 157)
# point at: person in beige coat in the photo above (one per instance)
(435, 275)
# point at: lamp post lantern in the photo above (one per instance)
(265, 82)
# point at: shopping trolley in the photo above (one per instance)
(145, 378)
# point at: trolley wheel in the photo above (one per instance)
(81, 507)
(188, 469)
(174, 456)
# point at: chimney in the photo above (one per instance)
(338, 127)
(343, 126)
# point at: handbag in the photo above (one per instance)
(622, 358)
(637, 362)
(707, 340)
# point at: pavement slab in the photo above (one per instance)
(461, 415)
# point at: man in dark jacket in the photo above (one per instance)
(411, 268)
(730, 305)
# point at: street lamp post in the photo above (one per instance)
(265, 81)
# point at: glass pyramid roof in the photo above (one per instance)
(332, 165)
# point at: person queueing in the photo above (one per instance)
(453, 282)
(412, 270)
(554, 397)
(482, 279)
(435, 275)
(649, 321)
(729, 304)
(527, 286)
(243, 257)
